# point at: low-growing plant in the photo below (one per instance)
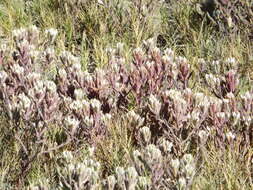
(52, 104)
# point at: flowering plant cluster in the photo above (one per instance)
(46, 93)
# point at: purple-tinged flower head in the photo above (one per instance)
(184, 68)
(17, 69)
(155, 51)
(150, 43)
(50, 86)
(33, 77)
(76, 105)
(230, 136)
(247, 98)
(145, 134)
(62, 74)
(167, 60)
(3, 77)
(24, 102)
(68, 59)
(86, 106)
(169, 52)
(88, 78)
(188, 159)
(139, 56)
(247, 102)
(152, 155)
(203, 135)
(79, 94)
(134, 119)
(39, 87)
(195, 115)
(231, 63)
(95, 105)
(132, 178)
(230, 96)
(72, 122)
(165, 145)
(212, 81)
(106, 119)
(231, 81)
(154, 104)
(189, 170)
(19, 34)
(188, 95)
(49, 53)
(89, 121)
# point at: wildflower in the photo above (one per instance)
(195, 115)
(181, 59)
(188, 158)
(106, 118)
(154, 104)
(96, 105)
(136, 155)
(52, 33)
(39, 86)
(231, 60)
(88, 121)
(79, 94)
(17, 69)
(76, 105)
(166, 145)
(230, 95)
(146, 134)
(111, 180)
(182, 183)
(67, 155)
(76, 66)
(167, 59)
(175, 165)
(3, 76)
(49, 52)
(51, 86)
(189, 170)
(120, 173)
(132, 178)
(72, 122)
(246, 96)
(153, 154)
(120, 47)
(138, 51)
(203, 134)
(173, 94)
(62, 73)
(135, 118)
(230, 136)
(144, 182)
(34, 29)
(25, 102)
(18, 34)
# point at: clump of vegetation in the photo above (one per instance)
(230, 16)
(110, 98)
